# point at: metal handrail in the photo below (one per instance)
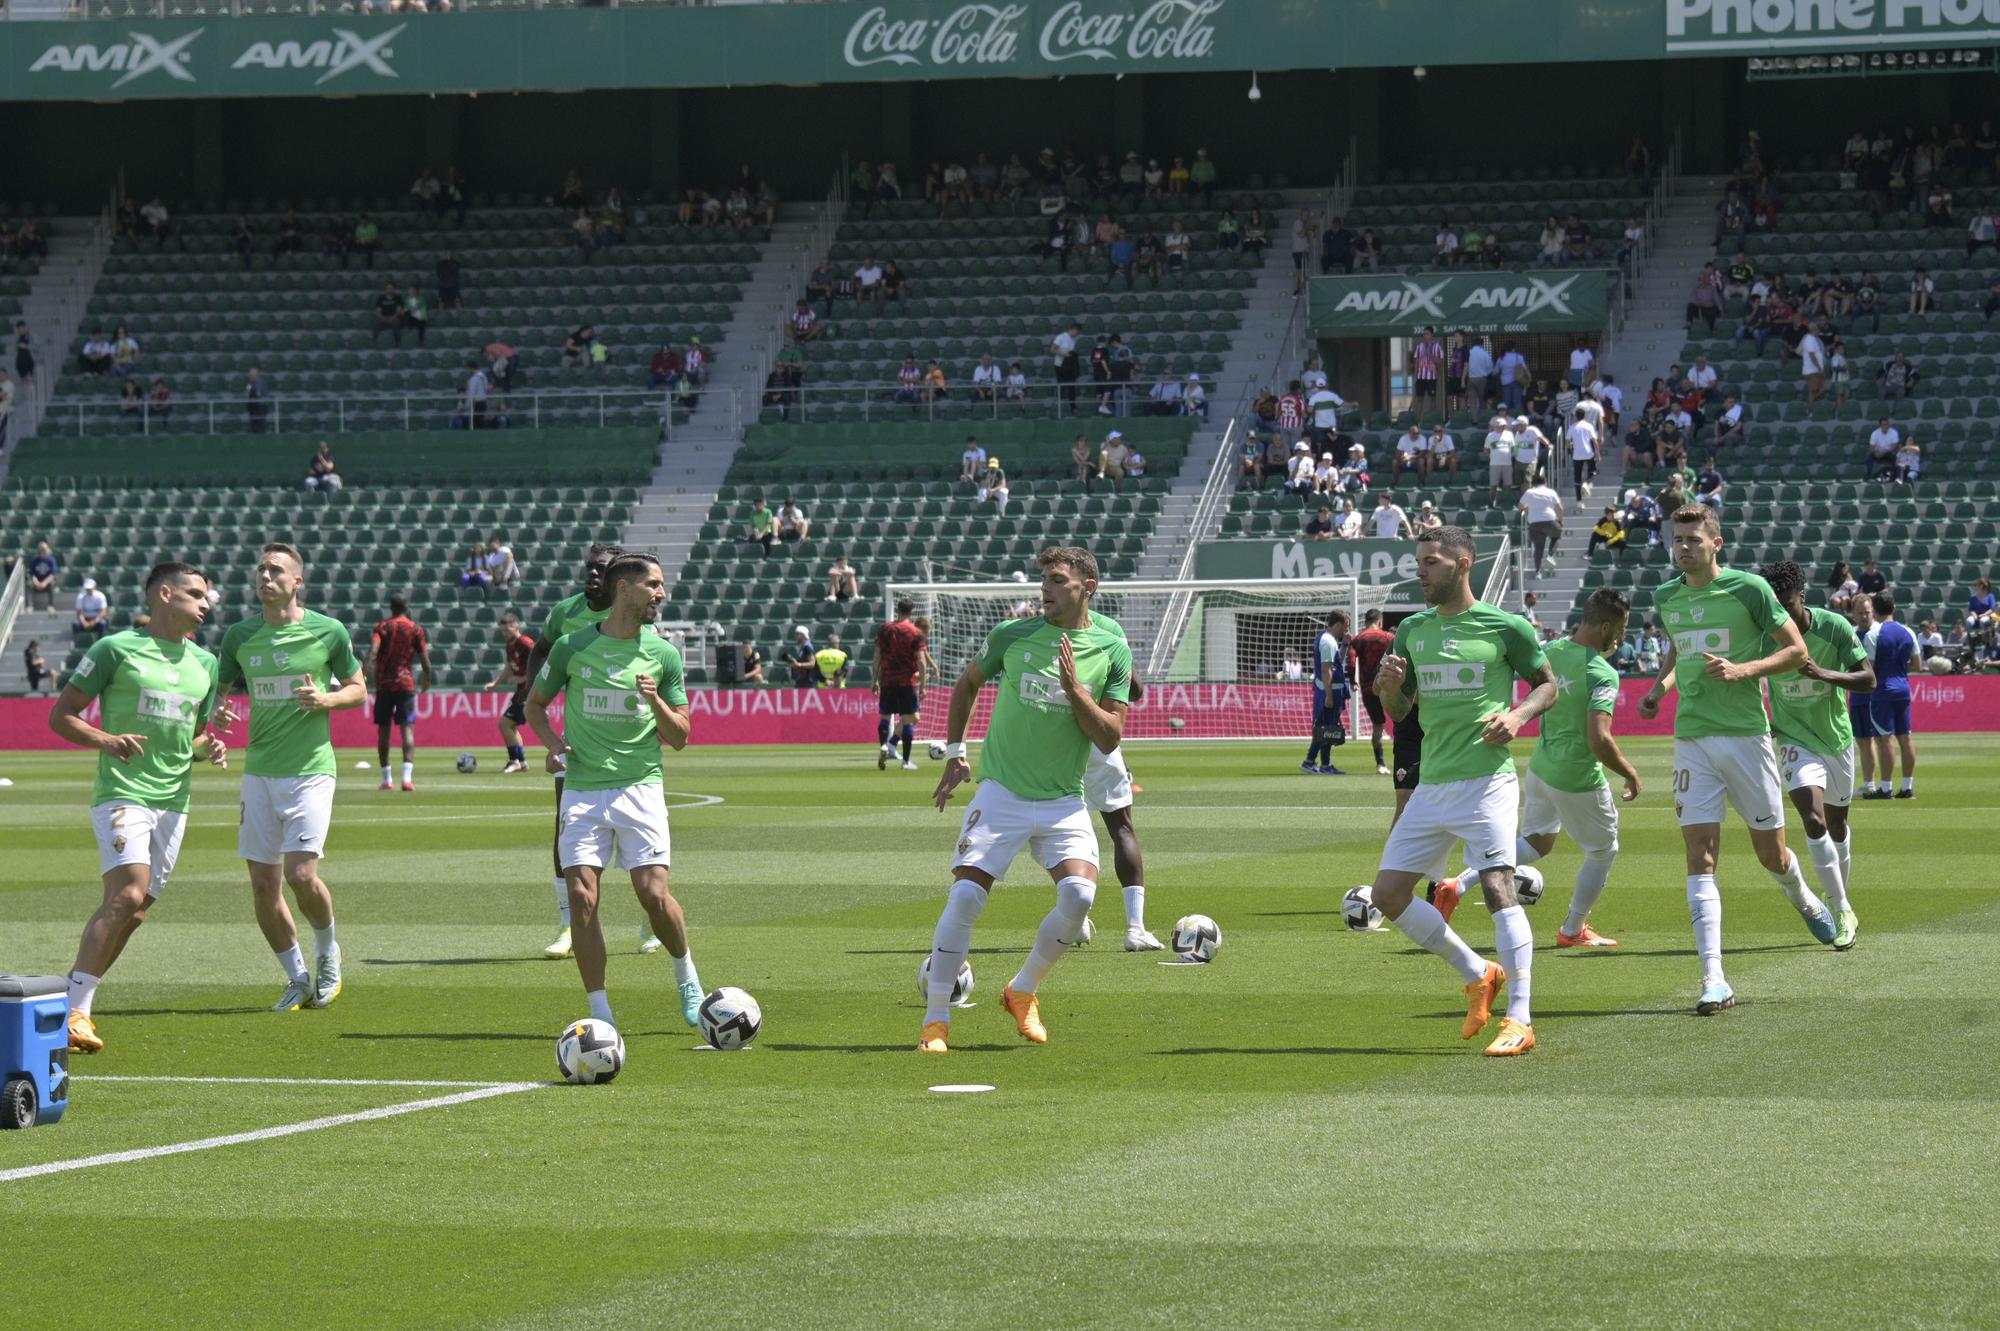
(349, 412)
(12, 598)
(878, 401)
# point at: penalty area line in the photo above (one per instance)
(268, 1134)
(298, 1081)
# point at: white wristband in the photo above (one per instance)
(955, 751)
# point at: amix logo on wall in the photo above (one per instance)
(343, 51)
(136, 57)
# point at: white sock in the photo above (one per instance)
(1826, 867)
(323, 939)
(1059, 929)
(1524, 853)
(293, 963)
(684, 968)
(562, 900)
(409, 771)
(1705, 911)
(385, 774)
(1422, 925)
(1847, 860)
(950, 943)
(1909, 783)
(600, 1006)
(1135, 906)
(1514, 939)
(1591, 876)
(82, 991)
(1793, 881)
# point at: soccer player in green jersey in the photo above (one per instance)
(1460, 657)
(624, 698)
(1727, 619)
(155, 691)
(1816, 738)
(1063, 679)
(299, 666)
(1565, 789)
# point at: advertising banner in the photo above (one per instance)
(1385, 305)
(1372, 561)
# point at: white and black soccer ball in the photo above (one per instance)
(960, 990)
(936, 751)
(730, 1019)
(1196, 938)
(1528, 884)
(1359, 910)
(590, 1052)
(468, 763)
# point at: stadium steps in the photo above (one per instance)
(50, 628)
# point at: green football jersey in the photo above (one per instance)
(567, 616)
(1462, 669)
(1812, 713)
(162, 690)
(272, 660)
(1585, 683)
(1034, 747)
(612, 734)
(1729, 618)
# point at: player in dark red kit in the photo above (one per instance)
(400, 643)
(899, 658)
(1367, 648)
(520, 646)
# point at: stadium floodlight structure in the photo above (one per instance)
(1213, 653)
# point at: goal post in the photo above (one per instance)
(1220, 659)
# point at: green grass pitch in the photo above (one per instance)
(1292, 1136)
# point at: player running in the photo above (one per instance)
(1064, 679)
(1889, 703)
(626, 698)
(1330, 694)
(156, 691)
(1722, 739)
(1815, 739)
(1565, 789)
(1108, 790)
(520, 647)
(1368, 647)
(399, 641)
(1460, 657)
(299, 667)
(899, 666)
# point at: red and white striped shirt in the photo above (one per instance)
(1425, 357)
(1291, 413)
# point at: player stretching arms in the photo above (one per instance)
(1566, 789)
(1369, 647)
(626, 699)
(1722, 739)
(1107, 790)
(1815, 739)
(156, 690)
(1329, 726)
(514, 673)
(1460, 657)
(1063, 682)
(299, 666)
(398, 641)
(899, 666)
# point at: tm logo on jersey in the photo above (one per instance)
(155, 705)
(1796, 688)
(1451, 677)
(610, 704)
(274, 688)
(1043, 692)
(1693, 642)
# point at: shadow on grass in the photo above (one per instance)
(888, 1048)
(181, 1011)
(1318, 1049)
(469, 1036)
(451, 961)
(1540, 1013)
(1284, 914)
(925, 952)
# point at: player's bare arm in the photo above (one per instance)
(1791, 654)
(1136, 687)
(1502, 727)
(66, 720)
(1854, 681)
(957, 767)
(1604, 747)
(1663, 684)
(537, 711)
(350, 694)
(673, 722)
(1103, 724)
(1389, 678)
(424, 655)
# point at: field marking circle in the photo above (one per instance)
(961, 1088)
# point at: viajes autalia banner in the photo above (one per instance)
(1550, 300)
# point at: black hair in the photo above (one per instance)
(596, 592)
(1454, 541)
(1786, 578)
(906, 607)
(1606, 605)
(170, 568)
(1885, 604)
(399, 604)
(629, 565)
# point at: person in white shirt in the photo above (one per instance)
(1194, 398)
(1427, 520)
(1350, 521)
(1299, 474)
(1411, 454)
(1445, 243)
(1729, 424)
(1922, 292)
(1479, 384)
(1812, 367)
(1703, 376)
(92, 612)
(1909, 462)
(1499, 459)
(1612, 397)
(1326, 476)
(1581, 361)
(868, 280)
(1882, 445)
(1388, 519)
(1544, 508)
(1533, 453)
(972, 462)
(1323, 409)
(1582, 439)
(1017, 383)
(1442, 451)
(986, 378)
(1312, 377)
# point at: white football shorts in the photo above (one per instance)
(1482, 811)
(135, 834)
(1832, 773)
(1589, 816)
(1737, 770)
(1000, 824)
(284, 815)
(1107, 782)
(626, 823)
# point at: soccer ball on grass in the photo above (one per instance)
(730, 1019)
(961, 989)
(936, 751)
(589, 1052)
(1528, 884)
(1358, 909)
(1196, 938)
(468, 763)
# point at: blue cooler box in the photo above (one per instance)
(34, 1049)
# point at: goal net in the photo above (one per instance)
(1219, 660)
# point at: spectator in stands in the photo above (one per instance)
(803, 324)
(1354, 471)
(1082, 462)
(986, 378)
(935, 387)
(388, 315)
(993, 485)
(1577, 246)
(95, 355)
(576, 347)
(1017, 384)
(1479, 385)
(1165, 397)
(1256, 233)
(1299, 469)
(799, 658)
(1412, 454)
(1194, 398)
(450, 283)
(256, 406)
(159, 223)
(1930, 643)
(1513, 373)
(455, 197)
(93, 613)
(1326, 476)
(1909, 461)
(1549, 246)
(477, 389)
(1178, 246)
(1897, 378)
(972, 462)
(894, 285)
(1336, 246)
(1122, 256)
(831, 664)
(475, 573)
(1368, 252)
(1923, 292)
(665, 366)
(24, 353)
(1982, 612)
(321, 473)
(1348, 526)
(822, 284)
(1709, 486)
(1389, 522)
(1445, 245)
(131, 401)
(793, 524)
(1148, 254)
(1676, 494)
(1426, 521)
(1705, 301)
(1729, 424)
(1062, 350)
(124, 352)
(694, 365)
(1499, 457)
(571, 194)
(1609, 532)
(909, 383)
(416, 313)
(42, 570)
(1812, 366)
(868, 280)
(1883, 442)
(1872, 579)
(1302, 246)
(1320, 526)
(1544, 508)
(1441, 452)
(1111, 459)
(37, 666)
(367, 239)
(498, 561)
(160, 401)
(762, 526)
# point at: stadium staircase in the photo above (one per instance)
(53, 306)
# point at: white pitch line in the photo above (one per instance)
(300, 1081)
(268, 1134)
